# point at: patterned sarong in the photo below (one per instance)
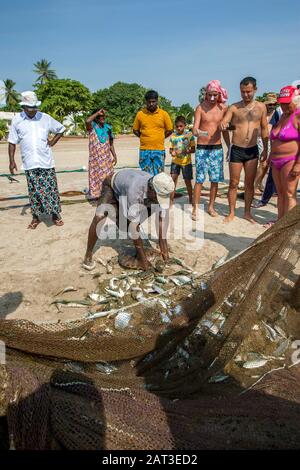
(100, 164)
(43, 191)
(152, 161)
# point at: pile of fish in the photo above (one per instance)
(116, 295)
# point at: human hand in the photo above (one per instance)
(295, 171)
(264, 156)
(12, 167)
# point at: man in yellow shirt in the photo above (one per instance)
(152, 125)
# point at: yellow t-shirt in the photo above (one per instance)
(152, 127)
(181, 143)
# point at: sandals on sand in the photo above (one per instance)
(33, 224)
(58, 222)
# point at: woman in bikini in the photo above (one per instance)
(285, 150)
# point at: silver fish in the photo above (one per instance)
(218, 378)
(97, 314)
(271, 333)
(150, 290)
(158, 289)
(113, 283)
(100, 261)
(105, 367)
(280, 331)
(219, 262)
(75, 367)
(98, 298)
(255, 364)
(66, 289)
(118, 294)
(282, 348)
(161, 280)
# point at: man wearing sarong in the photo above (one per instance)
(152, 125)
(31, 130)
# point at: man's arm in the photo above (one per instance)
(56, 128)
(168, 125)
(226, 120)
(55, 139)
(197, 120)
(11, 153)
(264, 134)
(136, 126)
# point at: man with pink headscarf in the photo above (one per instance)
(209, 154)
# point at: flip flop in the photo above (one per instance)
(33, 225)
(89, 267)
(58, 222)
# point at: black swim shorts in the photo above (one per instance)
(242, 154)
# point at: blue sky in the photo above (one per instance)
(172, 46)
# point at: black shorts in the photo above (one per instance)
(242, 154)
(187, 170)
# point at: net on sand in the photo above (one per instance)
(221, 373)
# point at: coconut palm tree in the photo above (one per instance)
(11, 95)
(42, 68)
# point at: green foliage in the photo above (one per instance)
(11, 96)
(121, 102)
(45, 73)
(187, 111)
(166, 104)
(202, 93)
(3, 129)
(62, 97)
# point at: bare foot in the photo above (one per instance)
(228, 219)
(250, 218)
(195, 215)
(212, 212)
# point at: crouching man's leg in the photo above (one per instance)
(92, 239)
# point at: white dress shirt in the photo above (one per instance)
(32, 135)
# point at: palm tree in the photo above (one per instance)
(42, 68)
(11, 95)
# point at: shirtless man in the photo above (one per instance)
(249, 120)
(209, 153)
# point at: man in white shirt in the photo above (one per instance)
(31, 129)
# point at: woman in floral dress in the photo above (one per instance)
(102, 155)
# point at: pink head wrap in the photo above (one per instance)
(215, 85)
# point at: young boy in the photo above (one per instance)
(182, 144)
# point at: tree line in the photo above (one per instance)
(62, 97)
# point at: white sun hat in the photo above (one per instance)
(296, 83)
(163, 186)
(30, 99)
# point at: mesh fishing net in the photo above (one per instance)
(220, 372)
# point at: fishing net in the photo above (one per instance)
(203, 365)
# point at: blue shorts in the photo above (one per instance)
(187, 170)
(152, 161)
(209, 159)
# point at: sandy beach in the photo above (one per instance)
(35, 265)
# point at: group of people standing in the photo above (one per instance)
(258, 136)
(263, 136)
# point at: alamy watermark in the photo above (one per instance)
(130, 222)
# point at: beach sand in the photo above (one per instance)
(35, 265)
